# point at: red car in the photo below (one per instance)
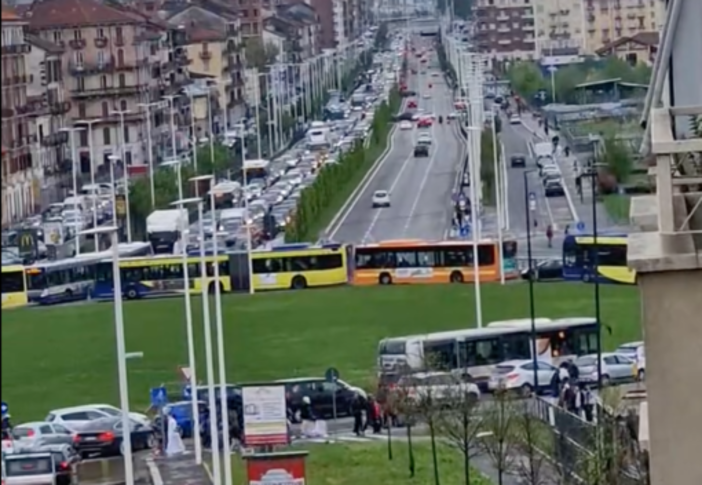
(412, 104)
(424, 123)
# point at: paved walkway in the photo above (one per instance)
(178, 470)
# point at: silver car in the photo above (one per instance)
(616, 368)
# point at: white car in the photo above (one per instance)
(437, 385)
(636, 352)
(452, 115)
(514, 120)
(427, 95)
(405, 125)
(381, 198)
(614, 367)
(37, 430)
(518, 375)
(424, 139)
(75, 416)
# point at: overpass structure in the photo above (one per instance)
(667, 253)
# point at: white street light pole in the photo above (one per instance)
(194, 409)
(269, 120)
(89, 124)
(113, 159)
(257, 107)
(171, 101)
(121, 353)
(498, 197)
(247, 216)
(150, 148)
(474, 216)
(74, 156)
(192, 128)
(121, 114)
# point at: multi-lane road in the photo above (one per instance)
(420, 188)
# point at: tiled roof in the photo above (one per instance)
(647, 38)
(44, 44)
(196, 34)
(8, 14)
(76, 13)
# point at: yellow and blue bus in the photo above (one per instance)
(580, 254)
(14, 287)
(292, 266)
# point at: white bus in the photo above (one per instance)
(477, 351)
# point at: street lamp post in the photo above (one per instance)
(182, 205)
(171, 102)
(150, 148)
(257, 108)
(474, 216)
(125, 177)
(121, 352)
(529, 207)
(74, 171)
(121, 114)
(89, 124)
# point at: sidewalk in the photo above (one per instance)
(570, 167)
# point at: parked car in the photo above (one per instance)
(42, 432)
(636, 352)
(40, 465)
(551, 269)
(616, 368)
(78, 415)
(441, 386)
(104, 437)
(518, 375)
(554, 188)
(517, 160)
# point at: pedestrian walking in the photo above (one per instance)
(358, 406)
(586, 402)
(549, 235)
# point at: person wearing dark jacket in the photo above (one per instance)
(373, 415)
(358, 406)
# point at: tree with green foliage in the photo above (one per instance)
(334, 178)
(617, 159)
(526, 79)
(258, 54)
(487, 166)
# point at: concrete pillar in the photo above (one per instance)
(669, 270)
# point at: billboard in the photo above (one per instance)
(265, 416)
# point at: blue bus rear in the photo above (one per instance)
(604, 262)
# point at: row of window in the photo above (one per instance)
(12, 282)
(297, 264)
(437, 257)
(605, 255)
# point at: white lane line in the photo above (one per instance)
(425, 177)
(391, 190)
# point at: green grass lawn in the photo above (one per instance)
(61, 356)
(356, 464)
(617, 207)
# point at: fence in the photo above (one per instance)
(572, 443)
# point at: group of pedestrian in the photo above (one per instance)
(573, 395)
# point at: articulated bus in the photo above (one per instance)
(292, 266)
(414, 261)
(14, 287)
(579, 255)
(73, 279)
(476, 351)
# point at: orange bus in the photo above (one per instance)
(416, 261)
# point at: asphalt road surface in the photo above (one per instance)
(420, 208)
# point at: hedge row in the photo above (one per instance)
(335, 181)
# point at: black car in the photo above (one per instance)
(554, 188)
(421, 150)
(517, 161)
(408, 94)
(406, 116)
(104, 437)
(544, 270)
(321, 394)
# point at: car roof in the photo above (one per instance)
(32, 424)
(84, 407)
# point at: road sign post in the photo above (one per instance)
(532, 201)
(332, 376)
(580, 226)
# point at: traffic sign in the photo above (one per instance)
(159, 397)
(187, 393)
(580, 226)
(331, 375)
(4, 408)
(532, 201)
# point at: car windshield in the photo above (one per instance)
(108, 411)
(381, 194)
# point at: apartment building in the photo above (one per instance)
(606, 21)
(19, 189)
(214, 37)
(46, 90)
(505, 29)
(113, 64)
(560, 28)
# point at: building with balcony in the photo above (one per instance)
(505, 29)
(46, 89)
(19, 188)
(214, 48)
(606, 21)
(639, 48)
(109, 72)
(559, 28)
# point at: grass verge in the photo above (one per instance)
(62, 356)
(355, 464)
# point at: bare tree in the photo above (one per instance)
(460, 420)
(531, 464)
(498, 440)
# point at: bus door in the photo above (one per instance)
(573, 259)
(350, 263)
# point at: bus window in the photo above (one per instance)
(392, 347)
(375, 258)
(573, 254)
(13, 282)
(457, 257)
(406, 259)
(483, 352)
(509, 249)
(611, 255)
(426, 259)
(516, 347)
(486, 255)
(440, 355)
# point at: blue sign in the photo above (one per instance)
(331, 375)
(580, 226)
(159, 397)
(187, 393)
(4, 408)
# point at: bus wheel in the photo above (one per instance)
(299, 283)
(132, 294)
(456, 277)
(385, 279)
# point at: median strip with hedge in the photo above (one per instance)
(320, 202)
